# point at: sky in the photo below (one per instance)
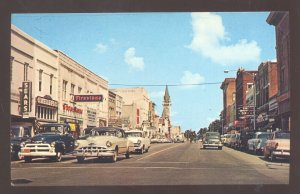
(162, 48)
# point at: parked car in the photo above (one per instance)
(257, 143)
(178, 139)
(226, 139)
(52, 145)
(212, 139)
(154, 140)
(140, 141)
(103, 142)
(18, 136)
(233, 140)
(278, 145)
(244, 137)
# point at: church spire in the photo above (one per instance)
(166, 96)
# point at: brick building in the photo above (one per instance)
(281, 22)
(244, 82)
(266, 83)
(228, 87)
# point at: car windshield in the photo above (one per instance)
(15, 132)
(213, 137)
(56, 129)
(264, 136)
(104, 133)
(282, 135)
(133, 134)
(44, 137)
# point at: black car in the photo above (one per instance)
(243, 141)
(52, 145)
(18, 136)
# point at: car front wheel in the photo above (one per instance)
(57, 158)
(80, 159)
(27, 159)
(115, 156)
(272, 157)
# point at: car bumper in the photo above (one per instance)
(281, 153)
(212, 145)
(94, 153)
(38, 154)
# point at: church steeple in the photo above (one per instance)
(166, 104)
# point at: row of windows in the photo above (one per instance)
(46, 113)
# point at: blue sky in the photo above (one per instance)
(159, 49)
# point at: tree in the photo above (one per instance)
(215, 126)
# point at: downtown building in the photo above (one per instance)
(227, 115)
(44, 82)
(281, 22)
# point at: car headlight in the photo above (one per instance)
(52, 144)
(22, 144)
(76, 144)
(139, 142)
(108, 144)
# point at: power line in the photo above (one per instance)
(159, 85)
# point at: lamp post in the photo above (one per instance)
(254, 95)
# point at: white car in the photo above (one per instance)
(140, 141)
(103, 142)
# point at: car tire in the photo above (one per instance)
(204, 147)
(57, 158)
(27, 159)
(220, 148)
(80, 159)
(127, 155)
(142, 150)
(16, 156)
(115, 156)
(272, 157)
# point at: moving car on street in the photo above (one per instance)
(212, 139)
(257, 143)
(140, 141)
(103, 142)
(278, 145)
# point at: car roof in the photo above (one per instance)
(136, 130)
(54, 124)
(108, 129)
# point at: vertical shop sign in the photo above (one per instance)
(26, 98)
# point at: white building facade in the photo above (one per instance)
(34, 81)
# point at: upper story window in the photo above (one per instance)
(51, 83)
(26, 65)
(79, 90)
(40, 79)
(64, 89)
(72, 88)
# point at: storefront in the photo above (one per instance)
(46, 109)
(72, 115)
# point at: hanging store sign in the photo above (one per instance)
(26, 98)
(88, 98)
(46, 102)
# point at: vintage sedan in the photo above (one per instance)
(212, 139)
(103, 142)
(278, 145)
(51, 145)
(18, 136)
(257, 143)
(140, 141)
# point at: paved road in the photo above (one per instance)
(164, 164)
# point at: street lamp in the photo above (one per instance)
(254, 96)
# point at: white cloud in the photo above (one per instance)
(101, 48)
(173, 113)
(157, 94)
(132, 60)
(208, 40)
(274, 60)
(190, 78)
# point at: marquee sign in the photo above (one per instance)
(46, 102)
(88, 98)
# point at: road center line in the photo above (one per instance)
(158, 152)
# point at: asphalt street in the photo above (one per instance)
(164, 164)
